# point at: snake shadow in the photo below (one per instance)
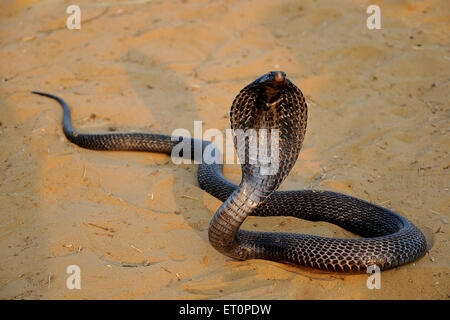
(171, 104)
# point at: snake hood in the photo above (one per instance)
(271, 102)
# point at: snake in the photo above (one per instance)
(274, 104)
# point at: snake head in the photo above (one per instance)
(272, 78)
(273, 83)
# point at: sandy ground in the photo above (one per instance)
(135, 223)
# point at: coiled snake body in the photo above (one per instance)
(274, 102)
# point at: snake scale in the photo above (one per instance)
(273, 102)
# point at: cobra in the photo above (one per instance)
(273, 102)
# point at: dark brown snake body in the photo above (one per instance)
(274, 102)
